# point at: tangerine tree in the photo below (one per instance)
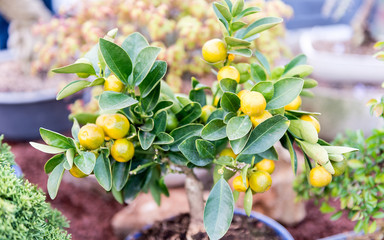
(144, 130)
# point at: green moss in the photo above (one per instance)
(5, 153)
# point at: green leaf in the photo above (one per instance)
(189, 113)
(230, 102)
(53, 162)
(317, 153)
(263, 61)
(238, 127)
(214, 130)
(355, 164)
(228, 85)
(217, 114)
(336, 216)
(113, 100)
(103, 172)
(266, 88)
(224, 11)
(178, 158)
(198, 96)
(84, 118)
(144, 62)
(148, 125)
(287, 143)
(378, 215)
(134, 186)
(238, 145)
(47, 149)
(221, 17)
(75, 129)
(149, 102)
(310, 83)
(86, 68)
(266, 134)
(120, 173)
(161, 122)
(163, 105)
(285, 91)
(54, 180)
(69, 156)
(181, 133)
(189, 150)
(55, 139)
(205, 149)
(85, 162)
(271, 154)
(146, 139)
(304, 130)
(261, 25)
(71, 88)
(133, 45)
(248, 201)
(236, 42)
(116, 59)
(339, 149)
(326, 208)
(248, 11)
(229, 4)
(257, 72)
(245, 52)
(237, 25)
(237, 7)
(229, 116)
(298, 60)
(299, 71)
(156, 73)
(218, 212)
(163, 138)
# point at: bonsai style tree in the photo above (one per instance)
(145, 131)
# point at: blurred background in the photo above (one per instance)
(337, 36)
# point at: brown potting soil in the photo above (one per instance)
(242, 228)
(90, 212)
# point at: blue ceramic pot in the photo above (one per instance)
(281, 231)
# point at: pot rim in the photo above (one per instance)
(28, 97)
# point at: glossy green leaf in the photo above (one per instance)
(237, 25)
(120, 173)
(76, 68)
(271, 154)
(146, 139)
(178, 158)
(245, 52)
(224, 11)
(71, 88)
(163, 138)
(189, 113)
(310, 83)
(339, 149)
(149, 102)
(266, 134)
(84, 118)
(133, 45)
(143, 63)
(298, 60)
(54, 180)
(221, 17)
(218, 212)
(69, 156)
(54, 139)
(263, 61)
(85, 162)
(113, 100)
(238, 127)
(248, 11)
(257, 72)
(230, 102)
(239, 144)
(229, 116)
(285, 91)
(75, 129)
(228, 85)
(237, 7)
(198, 96)
(287, 143)
(326, 208)
(156, 73)
(53, 162)
(103, 172)
(261, 25)
(181, 133)
(304, 130)
(317, 153)
(46, 148)
(116, 59)
(299, 71)
(217, 114)
(189, 150)
(236, 42)
(205, 149)
(160, 120)
(266, 88)
(214, 130)
(248, 201)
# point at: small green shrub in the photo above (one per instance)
(24, 214)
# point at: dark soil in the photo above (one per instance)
(90, 212)
(242, 228)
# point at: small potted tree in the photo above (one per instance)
(145, 131)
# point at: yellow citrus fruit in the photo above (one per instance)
(216, 101)
(214, 50)
(339, 167)
(294, 105)
(83, 60)
(76, 172)
(312, 120)
(122, 150)
(267, 165)
(256, 120)
(252, 103)
(231, 57)
(242, 92)
(228, 72)
(260, 181)
(228, 152)
(112, 83)
(172, 122)
(114, 125)
(207, 110)
(238, 184)
(319, 177)
(91, 136)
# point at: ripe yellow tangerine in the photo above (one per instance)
(228, 152)
(238, 184)
(312, 120)
(252, 103)
(260, 181)
(112, 83)
(114, 125)
(214, 50)
(228, 72)
(91, 136)
(76, 172)
(242, 92)
(319, 177)
(266, 165)
(256, 120)
(122, 150)
(206, 112)
(294, 105)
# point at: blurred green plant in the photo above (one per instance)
(179, 27)
(24, 214)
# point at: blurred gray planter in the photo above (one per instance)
(343, 109)
(337, 66)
